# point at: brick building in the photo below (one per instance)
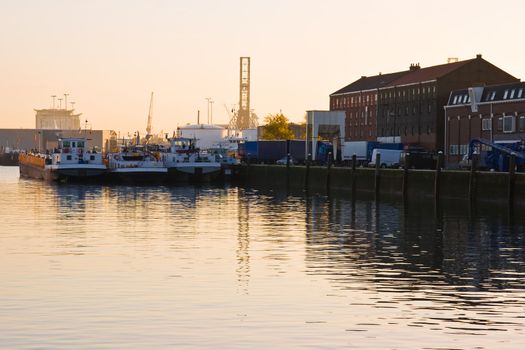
(411, 107)
(408, 106)
(359, 101)
(494, 113)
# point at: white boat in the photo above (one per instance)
(70, 161)
(136, 164)
(185, 162)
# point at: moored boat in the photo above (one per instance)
(186, 163)
(71, 161)
(136, 164)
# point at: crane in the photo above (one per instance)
(150, 116)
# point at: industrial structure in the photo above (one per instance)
(150, 117)
(244, 118)
(57, 118)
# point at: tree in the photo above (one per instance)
(277, 128)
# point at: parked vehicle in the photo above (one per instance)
(390, 158)
(283, 161)
(419, 159)
(269, 151)
(363, 150)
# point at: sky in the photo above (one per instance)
(109, 55)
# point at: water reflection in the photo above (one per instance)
(251, 267)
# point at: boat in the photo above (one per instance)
(187, 163)
(70, 161)
(136, 164)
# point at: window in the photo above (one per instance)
(68, 157)
(429, 108)
(91, 157)
(465, 98)
(506, 94)
(486, 124)
(453, 150)
(520, 93)
(509, 123)
(522, 123)
(463, 149)
(500, 124)
(512, 93)
(80, 144)
(455, 100)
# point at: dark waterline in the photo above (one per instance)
(229, 267)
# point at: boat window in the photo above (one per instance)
(92, 157)
(68, 157)
(80, 144)
(73, 144)
(66, 144)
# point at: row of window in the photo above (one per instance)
(404, 131)
(405, 111)
(505, 124)
(455, 150)
(508, 94)
(408, 92)
(461, 99)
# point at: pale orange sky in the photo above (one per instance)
(110, 54)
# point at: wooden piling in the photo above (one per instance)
(405, 175)
(354, 164)
(511, 179)
(472, 178)
(437, 177)
(307, 174)
(376, 176)
(328, 166)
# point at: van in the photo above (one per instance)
(390, 158)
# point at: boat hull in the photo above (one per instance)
(66, 174)
(149, 176)
(193, 174)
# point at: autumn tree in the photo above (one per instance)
(277, 128)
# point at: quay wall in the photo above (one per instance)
(496, 187)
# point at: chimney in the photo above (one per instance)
(478, 56)
(414, 67)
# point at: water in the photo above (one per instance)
(95, 267)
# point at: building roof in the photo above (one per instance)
(429, 73)
(368, 83)
(491, 93)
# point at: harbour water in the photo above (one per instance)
(99, 267)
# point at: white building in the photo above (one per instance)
(207, 135)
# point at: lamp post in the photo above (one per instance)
(208, 114)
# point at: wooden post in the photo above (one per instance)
(307, 175)
(512, 170)
(472, 178)
(405, 175)
(354, 164)
(437, 177)
(376, 177)
(287, 169)
(328, 166)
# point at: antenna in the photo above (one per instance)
(65, 101)
(53, 96)
(59, 103)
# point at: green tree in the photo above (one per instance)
(277, 128)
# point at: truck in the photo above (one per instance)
(363, 150)
(270, 151)
(390, 158)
